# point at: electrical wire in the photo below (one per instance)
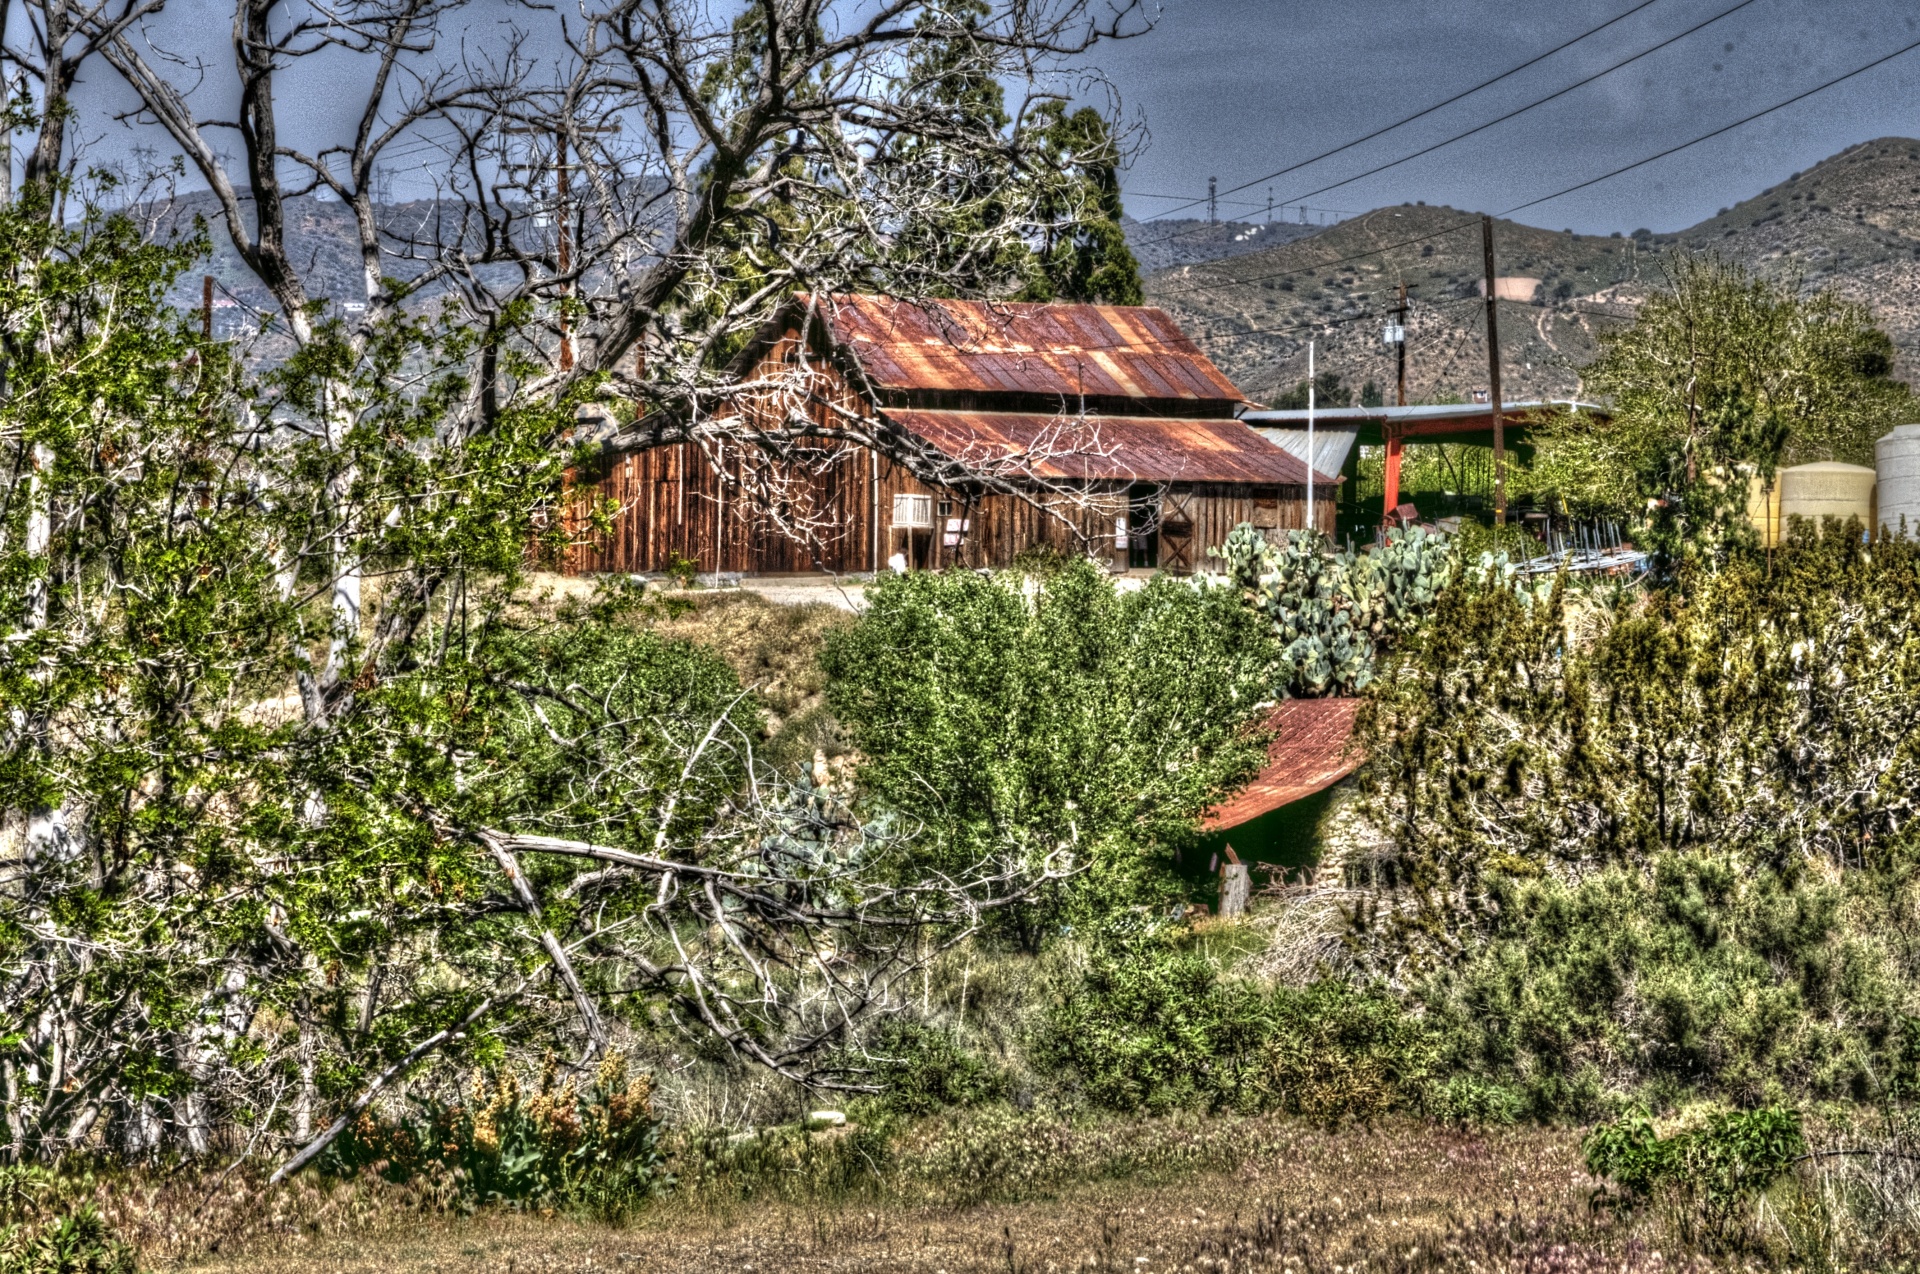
(1425, 111)
(1607, 176)
(1518, 111)
(1725, 128)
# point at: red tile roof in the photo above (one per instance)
(1148, 448)
(1025, 348)
(1311, 753)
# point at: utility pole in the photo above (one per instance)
(1493, 377)
(206, 306)
(1269, 205)
(1399, 313)
(1309, 435)
(563, 241)
(1213, 201)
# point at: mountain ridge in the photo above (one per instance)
(1851, 223)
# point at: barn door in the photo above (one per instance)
(1176, 530)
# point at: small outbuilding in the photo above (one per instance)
(1274, 819)
(867, 431)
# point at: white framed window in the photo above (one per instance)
(1120, 533)
(913, 512)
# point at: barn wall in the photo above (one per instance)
(710, 508)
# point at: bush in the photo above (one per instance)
(1154, 1026)
(1712, 1171)
(596, 1148)
(1663, 849)
(76, 1243)
(925, 1070)
(1021, 716)
(48, 1225)
(1680, 978)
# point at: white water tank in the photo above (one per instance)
(1897, 457)
(1826, 489)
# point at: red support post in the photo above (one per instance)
(1391, 494)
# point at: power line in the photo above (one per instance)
(1559, 93)
(1607, 176)
(1726, 128)
(1441, 105)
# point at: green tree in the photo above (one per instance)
(1084, 255)
(275, 839)
(1022, 716)
(1721, 376)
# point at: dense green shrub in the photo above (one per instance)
(1661, 848)
(594, 1147)
(1034, 714)
(1155, 1026)
(1684, 976)
(1712, 1170)
(76, 1243)
(925, 1070)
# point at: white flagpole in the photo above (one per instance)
(1309, 435)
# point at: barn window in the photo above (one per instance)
(913, 511)
(946, 508)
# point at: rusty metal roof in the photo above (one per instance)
(1144, 448)
(1310, 752)
(1025, 348)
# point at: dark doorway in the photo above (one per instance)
(1143, 528)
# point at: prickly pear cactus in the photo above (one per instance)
(1333, 608)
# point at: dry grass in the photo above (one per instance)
(773, 647)
(1403, 1197)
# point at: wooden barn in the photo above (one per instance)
(868, 432)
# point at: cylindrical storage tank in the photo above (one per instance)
(1897, 457)
(1826, 489)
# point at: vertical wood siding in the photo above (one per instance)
(680, 502)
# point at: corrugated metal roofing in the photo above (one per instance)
(1331, 443)
(1025, 348)
(1146, 448)
(1310, 753)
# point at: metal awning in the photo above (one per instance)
(1452, 422)
(1332, 443)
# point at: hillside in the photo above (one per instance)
(1851, 223)
(1177, 241)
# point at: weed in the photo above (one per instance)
(593, 1148)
